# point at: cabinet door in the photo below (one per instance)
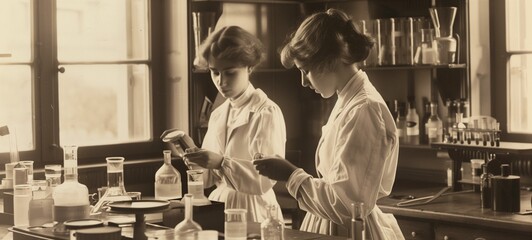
(449, 232)
(417, 230)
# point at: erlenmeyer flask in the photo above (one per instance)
(447, 45)
(115, 185)
(167, 180)
(188, 228)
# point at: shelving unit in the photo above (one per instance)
(506, 152)
(305, 112)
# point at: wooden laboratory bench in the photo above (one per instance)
(454, 216)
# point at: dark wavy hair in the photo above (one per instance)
(324, 39)
(232, 43)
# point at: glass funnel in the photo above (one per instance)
(188, 228)
(447, 45)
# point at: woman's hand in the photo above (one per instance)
(278, 169)
(204, 158)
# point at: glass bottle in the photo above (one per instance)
(461, 127)
(71, 199)
(423, 134)
(41, 204)
(167, 180)
(115, 185)
(434, 126)
(400, 122)
(412, 123)
(358, 224)
(188, 228)
(485, 187)
(272, 228)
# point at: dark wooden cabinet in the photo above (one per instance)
(415, 229)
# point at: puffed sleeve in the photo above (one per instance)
(267, 135)
(361, 150)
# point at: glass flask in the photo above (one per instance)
(41, 204)
(167, 180)
(115, 185)
(71, 199)
(188, 228)
(358, 224)
(272, 228)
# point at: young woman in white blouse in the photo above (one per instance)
(356, 157)
(247, 123)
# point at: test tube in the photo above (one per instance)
(358, 225)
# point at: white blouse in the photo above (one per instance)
(237, 130)
(356, 160)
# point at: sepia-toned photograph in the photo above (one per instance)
(265, 119)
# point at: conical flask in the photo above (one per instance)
(71, 199)
(115, 185)
(167, 180)
(447, 45)
(272, 228)
(188, 228)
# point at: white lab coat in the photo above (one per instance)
(258, 127)
(356, 160)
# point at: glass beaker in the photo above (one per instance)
(29, 165)
(115, 185)
(235, 226)
(52, 173)
(426, 51)
(447, 45)
(195, 186)
(21, 204)
(388, 48)
(41, 204)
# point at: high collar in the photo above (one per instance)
(351, 88)
(243, 98)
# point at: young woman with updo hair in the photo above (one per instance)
(246, 124)
(356, 157)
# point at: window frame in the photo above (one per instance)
(500, 60)
(45, 92)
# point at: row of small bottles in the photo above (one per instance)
(431, 128)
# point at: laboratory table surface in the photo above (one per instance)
(462, 208)
(23, 233)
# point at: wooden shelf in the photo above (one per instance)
(414, 67)
(503, 148)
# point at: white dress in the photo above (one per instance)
(237, 130)
(356, 160)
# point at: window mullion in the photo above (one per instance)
(46, 81)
